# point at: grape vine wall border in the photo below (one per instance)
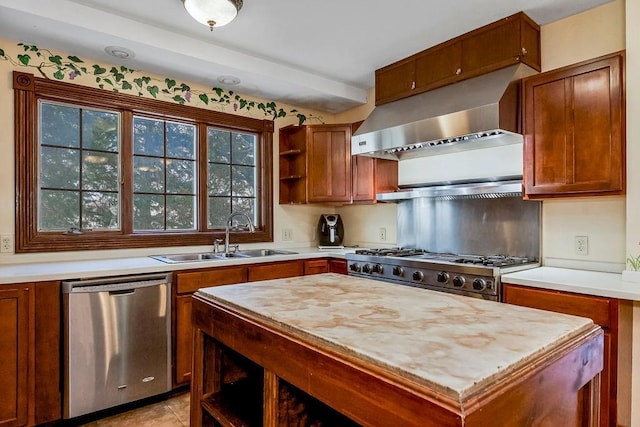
(129, 80)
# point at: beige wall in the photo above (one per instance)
(633, 181)
(301, 220)
(587, 35)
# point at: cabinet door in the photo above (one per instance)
(495, 46)
(372, 176)
(438, 66)
(329, 164)
(574, 130)
(14, 357)
(276, 270)
(363, 178)
(338, 266)
(183, 339)
(47, 313)
(395, 81)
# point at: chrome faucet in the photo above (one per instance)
(226, 231)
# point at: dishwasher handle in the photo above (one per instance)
(114, 284)
(123, 292)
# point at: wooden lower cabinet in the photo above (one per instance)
(14, 357)
(603, 311)
(316, 266)
(30, 354)
(187, 282)
(182, 339)
(338, 266)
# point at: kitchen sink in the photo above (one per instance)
(264, 252)
(210, 256)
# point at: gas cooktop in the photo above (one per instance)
(488, 260)
(464, 274)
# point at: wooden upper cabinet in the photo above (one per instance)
(315, 164)
(512, 40)
(371, 176)
(438, 66)
(329, 163)
(396, 80)
(574, 124)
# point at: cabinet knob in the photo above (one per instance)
(524, 51)
(413, 85)
(458, 71)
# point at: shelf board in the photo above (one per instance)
(215, 406)
(291, 177)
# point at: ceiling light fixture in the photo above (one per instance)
(119, 52)
(229, 80)
(213, 12)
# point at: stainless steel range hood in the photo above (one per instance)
(502, 187)
(476, 113)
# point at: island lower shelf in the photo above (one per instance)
(250, 372)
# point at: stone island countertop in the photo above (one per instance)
(455, 345)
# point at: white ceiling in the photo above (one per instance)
(316, 54)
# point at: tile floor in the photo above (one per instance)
(173, 412)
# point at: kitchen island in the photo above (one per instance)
(338, 350)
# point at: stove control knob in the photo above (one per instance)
(377, 268)
(458, 281)
(355, 267)
(479, 284)
(398, 271)
(418, 275)
(366, 268)
(443, 277)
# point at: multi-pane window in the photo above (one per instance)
(78, 185)
(232, 175)
(164, 175)
(110, 170)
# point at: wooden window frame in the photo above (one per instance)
(28, 90)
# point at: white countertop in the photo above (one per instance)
(63, 270)
(611, 285)
(427, 336)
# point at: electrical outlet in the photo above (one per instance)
(382, 234)
(6, 244)
(287, 234)
(582, 245)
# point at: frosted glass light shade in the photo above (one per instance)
(213, 12)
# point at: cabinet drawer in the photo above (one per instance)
(316, 266)
(276, 270)
(193, 280)
(598, 309)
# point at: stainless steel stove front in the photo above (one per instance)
(462, 279)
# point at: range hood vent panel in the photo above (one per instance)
(475, 113)
(473, 190)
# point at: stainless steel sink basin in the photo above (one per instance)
(265, 252)
(207, 256)
(210, 256)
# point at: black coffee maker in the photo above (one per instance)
(330, 230)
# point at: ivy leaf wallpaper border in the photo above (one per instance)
(127, 79)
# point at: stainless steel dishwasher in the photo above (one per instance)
(117, 341)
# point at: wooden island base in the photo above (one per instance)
(248, 372)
